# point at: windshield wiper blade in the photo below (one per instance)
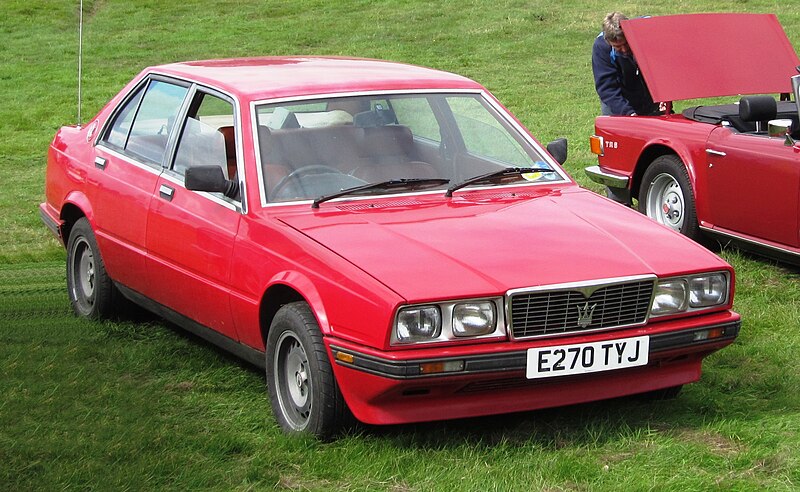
(391, 184)
(496, 176)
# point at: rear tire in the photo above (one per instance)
(91, 291)
(302, 389)
(666, 196)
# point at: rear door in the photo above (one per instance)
(754, 185)
(129, 156)
(190, 235)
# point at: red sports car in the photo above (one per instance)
(730, 171)
(387, 241)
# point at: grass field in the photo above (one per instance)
(142, 405)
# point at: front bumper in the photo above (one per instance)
(516, 361)
(381, 388)
(616, 184)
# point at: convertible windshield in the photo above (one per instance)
(315, 148)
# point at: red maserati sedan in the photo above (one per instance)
(728, 169)
(385, 240)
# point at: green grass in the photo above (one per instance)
(143, 405)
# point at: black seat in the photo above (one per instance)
(758, 109)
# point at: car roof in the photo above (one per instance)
(707, 55)
(276, 77)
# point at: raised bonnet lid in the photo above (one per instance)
(707, 55)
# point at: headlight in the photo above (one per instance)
(670, 297)
(447, 321)
(418, 324)
(690, 293)
(474, 319)
(708, 290)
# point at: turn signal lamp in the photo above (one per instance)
(596, 144)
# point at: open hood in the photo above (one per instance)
(708, 55)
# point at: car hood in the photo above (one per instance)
(707, 55)
(484, 243)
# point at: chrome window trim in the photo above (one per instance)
(587, 288)
(240, 206)
(153, 169)
(501, 112)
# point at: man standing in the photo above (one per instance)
(617, 78)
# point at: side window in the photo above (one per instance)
(208, 137)
(142, 127)
(118, 134)
(417, 114)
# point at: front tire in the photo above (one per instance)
(302, 389)
(666, 196)
(90, 289)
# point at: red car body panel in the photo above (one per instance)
(224, 267)
(745, 184)
(706, 55)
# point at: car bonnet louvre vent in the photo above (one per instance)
(566, 310)
(356, 207)
(482, 196)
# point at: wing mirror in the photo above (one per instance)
(211, 179)
(558, 149)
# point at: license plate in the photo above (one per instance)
(582, 358)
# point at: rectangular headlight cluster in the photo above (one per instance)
(448, 321)
(690, 293)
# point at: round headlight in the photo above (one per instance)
(671, 297)
(418, 323)
(708, 290)
(474, 319)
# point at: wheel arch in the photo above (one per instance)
(653, 152)
(74, 208)
(291, 287)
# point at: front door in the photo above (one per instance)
(754, 186)
(190, 235)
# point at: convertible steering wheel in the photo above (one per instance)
(298, 174)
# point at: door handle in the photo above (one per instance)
(166, 192)
(716, 152)
(100, 162)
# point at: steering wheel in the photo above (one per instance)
(298, 174)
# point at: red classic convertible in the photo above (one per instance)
(727, 171)
(387, 241)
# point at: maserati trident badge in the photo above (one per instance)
(585, 314)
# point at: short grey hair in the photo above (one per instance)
(611, 29)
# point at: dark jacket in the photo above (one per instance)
(619, 82)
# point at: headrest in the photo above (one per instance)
(387, 140)
(230, 141)
(758, 108)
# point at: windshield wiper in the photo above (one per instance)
(392, 184)
(496, 176)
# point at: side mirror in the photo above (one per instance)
(210, 179)
(558, 149)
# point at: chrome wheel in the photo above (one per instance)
(293, 381)
(665, 201)
(666, 196)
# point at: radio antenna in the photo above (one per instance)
(80, 58)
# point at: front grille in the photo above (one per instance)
(566, 310)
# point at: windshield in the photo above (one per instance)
(315, 148)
